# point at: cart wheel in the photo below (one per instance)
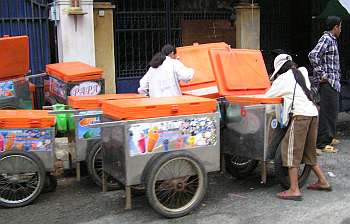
(282, 172)
(22, 178)
(176, 183)
(50, 183)
(239, 167)
(94, 164)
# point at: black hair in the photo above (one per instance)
(286, 66)
(157, 60)
(168, 49)
(332, 21)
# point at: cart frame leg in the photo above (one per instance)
(78, 170)
(128, 205)
(104, 182)
(263, 172)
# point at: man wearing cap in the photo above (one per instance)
(300, 116)
(324, 59)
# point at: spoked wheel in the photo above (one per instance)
(238, 166)
(282, 172)
(175, 184)
(22, 178)
(94, 164)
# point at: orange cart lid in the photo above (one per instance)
(14, 56)
(74, 71)
(95, 102)
(239, 71)
(26, 119)
(132, 109)
(255, 99)
(197, 57)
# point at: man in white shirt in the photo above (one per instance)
(163, 77)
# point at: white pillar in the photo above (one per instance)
(75, 33)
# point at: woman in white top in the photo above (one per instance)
(162, 78)
(299, 142)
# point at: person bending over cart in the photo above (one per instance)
(300, 116)
(163, 76)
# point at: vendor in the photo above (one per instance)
(300, 117)
(163, 76)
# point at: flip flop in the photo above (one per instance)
(283, 195)
(335, 142)
(317, 187)
(329, 149)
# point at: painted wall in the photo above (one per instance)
(104, 43)
(248, 27)
(75, 34)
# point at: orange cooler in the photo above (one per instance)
(28, 131)
(74, 79)
(95, 102)
(197, 57)
(132, 109)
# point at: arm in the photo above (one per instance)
(182, 72)
(304, 72)
(315, 57)
(277, 89)
(144, 84)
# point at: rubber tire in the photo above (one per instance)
(281, 172)
(93, 175)
(42, 175)
(50, 183)
(242, 171)
(150, 175)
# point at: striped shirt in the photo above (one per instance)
(324, 59)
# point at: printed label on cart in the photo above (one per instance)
(36, 140)
(58, 88)
(172, 135)
(7, 89)
(86, 89)
(86, 132)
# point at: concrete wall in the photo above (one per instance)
(248, 26)
(104, 43)
(75, 34)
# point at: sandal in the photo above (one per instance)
(284, 196)
(329, 149)
(318, 187)
(335, 142)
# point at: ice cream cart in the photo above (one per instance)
(26, 155)
(167, 144)
(73, 79)
(250, 123)
(86, 141)
(14, 66)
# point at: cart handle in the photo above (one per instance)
(95, 113)
(106, 124)
(64, 111)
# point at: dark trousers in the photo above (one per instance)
(329, 107)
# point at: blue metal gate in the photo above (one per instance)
(28, 17)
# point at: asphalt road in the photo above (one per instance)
(227, 201)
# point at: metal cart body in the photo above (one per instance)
(122, 141)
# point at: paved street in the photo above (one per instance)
(227, 201)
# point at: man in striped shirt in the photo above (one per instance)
(324, 59)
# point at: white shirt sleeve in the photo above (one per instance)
(278, 88)
(182, 72)
(144, 84)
